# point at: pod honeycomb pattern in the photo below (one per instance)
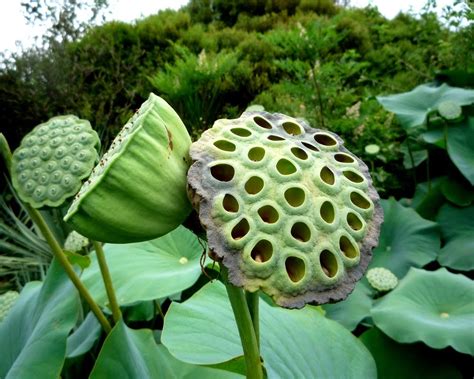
(51, 161)
(286, 207)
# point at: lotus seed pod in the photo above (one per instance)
(7, 300)
(450, 110)
(52, 160)
(286, 207)
(382, 279)
(75, 242)
(137, 192)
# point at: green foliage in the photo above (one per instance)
(305, 352)
(310, 59)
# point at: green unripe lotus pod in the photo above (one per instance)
(75, 242)
(381, 279)
(137, 192)
(449, 110)
(287, 208)
(7, 300)
(53, 159)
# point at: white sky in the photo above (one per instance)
(13, 26)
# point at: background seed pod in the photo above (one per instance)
(381, 279)
(52, 160)
(7, 300)
(287, 208)
(137, 192)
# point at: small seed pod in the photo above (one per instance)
(52, 160)
(137, 192)
(287, 208)
(7, 300)
(381, 279)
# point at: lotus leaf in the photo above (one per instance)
(413, 107)
(435, 307)
(457, 227)
(406, 240)
(148, 270)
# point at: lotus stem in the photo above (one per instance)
(61, 257)
(252, 303)
(245, 326)
(109, 288)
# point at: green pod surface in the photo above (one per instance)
(287, 208)
(53, 159)
(137, 192)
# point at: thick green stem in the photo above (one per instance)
(246, 329)
(252, 303)
(61, 257)
(109, 288)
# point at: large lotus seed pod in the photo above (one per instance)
(52, 160)
(137, 192)
(381, 279)
(287, 208)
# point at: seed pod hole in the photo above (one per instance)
(328, 263)
(262, 251)
(285, 167)
(299, 153)
(224, 145)
(348, 248)
(294, 196)
(354, 221)
(327, 176)
(260, 121)
(273, 137)
(325, 139)
(327, 212)
(360, 201)
(256, 154)
(292, 128)
(353, 176)
(223, 172)
(268, 214)
(301, 232)
(343, 158)
(295, 268)
(240, 230)
(310, 146)
(241, 132)
(254, 185)
(230, 203)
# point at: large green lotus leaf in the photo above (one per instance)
(406, 240)
(33, 335)
(294, 343)
(407, 361)
(148, 270)
(457, 228)
(435, 307)
(460, 148)
(354, 309)
(129, 353)
(412, 107)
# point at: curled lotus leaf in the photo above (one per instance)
(53, 159)
(286, 207)
(137, 192)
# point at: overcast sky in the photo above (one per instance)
(13, 26)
